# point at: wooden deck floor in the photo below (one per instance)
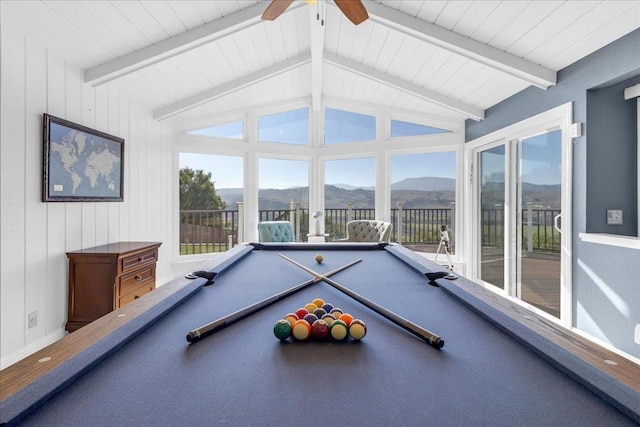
(540, 275)
(540, 278)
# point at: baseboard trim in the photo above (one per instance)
(28, 350)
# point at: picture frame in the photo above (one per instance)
(81, 164)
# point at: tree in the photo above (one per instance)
(198, 192)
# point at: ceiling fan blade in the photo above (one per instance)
(275, 9)
(353, 9)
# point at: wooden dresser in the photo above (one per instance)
(107, 277)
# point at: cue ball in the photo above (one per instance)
(301, 330)
(319, 258)
(357, 329)
(282, 329)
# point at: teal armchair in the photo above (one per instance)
(276, 231)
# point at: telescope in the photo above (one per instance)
(444, 245)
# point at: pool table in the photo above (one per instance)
(500, 364)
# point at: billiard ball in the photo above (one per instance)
(291, 317)
(319, 329)
(357, 329)
(338, 330)
(319, 312)
(282, 329)
(318, 302)
(319, 258)
(327, 307)
(328, 318)
(336, 312)
(346, 318)
(310, 318)
(301, 330)
(310, 307)
(301, 312)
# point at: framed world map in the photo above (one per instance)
(81, 164)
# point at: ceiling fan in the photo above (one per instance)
(353, 9)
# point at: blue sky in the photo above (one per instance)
(340, 127)
(541, 160)
(541, 163)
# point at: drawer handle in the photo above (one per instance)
(140, 259)
(138, 277)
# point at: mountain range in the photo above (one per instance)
(432, 192)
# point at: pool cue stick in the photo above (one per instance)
(431, 338)
(212, 327)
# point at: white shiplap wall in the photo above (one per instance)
(35, 236)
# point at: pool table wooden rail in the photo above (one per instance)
(613, 364)
(622, 369)
(20, 374)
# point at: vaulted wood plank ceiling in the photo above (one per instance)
(189, 61)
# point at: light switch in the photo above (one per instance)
(614, 216)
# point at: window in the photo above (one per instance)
(344, 126)
(283, 193)
(232, 130)
(349, 193)
(423, 195)
(210, 188)
(289, 127)
(400, 129)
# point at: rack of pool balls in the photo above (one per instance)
(319, 320)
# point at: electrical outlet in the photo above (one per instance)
(614, 217)
(33, 319)
(637, 339)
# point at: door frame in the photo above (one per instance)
(557, 118)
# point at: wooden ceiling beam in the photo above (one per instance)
(472, 49)
(177, 44)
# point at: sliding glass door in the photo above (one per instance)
(519, 195)
(539, 204)
(492, 257)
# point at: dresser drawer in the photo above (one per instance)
(132, 262)
(135, 294)
(128, 283)
(106, 277)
